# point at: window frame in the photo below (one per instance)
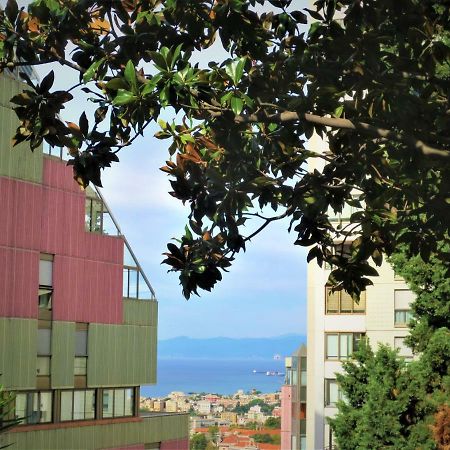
(404, 324)
(30, 394)
(327, 397)
(113, 407)
(46, 289)
(339, 312)
(356, 337)
(72, 391)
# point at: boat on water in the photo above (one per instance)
(269, 373)
(274, 373)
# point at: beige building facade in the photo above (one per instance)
(336, 324)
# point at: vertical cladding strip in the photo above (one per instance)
(18, 283)
(63, 353)
(125, 350)
(18, 353)
(136, 312)
(18, 162)
(87, 291)
(56, 174)
(21, 207)
(286, 416)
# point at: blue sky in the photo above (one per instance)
(263, 295)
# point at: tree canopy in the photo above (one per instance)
(390, 404)
(370, 78)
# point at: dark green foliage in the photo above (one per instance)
(198, 442)
(370, 77)
(243, 409)
(6, 412)
(264, 438)
(273, 422)
(390, 404)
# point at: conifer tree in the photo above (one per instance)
(390, 404)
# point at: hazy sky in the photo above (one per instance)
(264, 294)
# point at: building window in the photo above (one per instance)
(33, 407)
(332, 392)
(341, 345)
(97, 217)
(118, 403)
(44, 341)
(78, 405)
(402, 301)
(341, 302)
(81, 349)
(45, 282)
(93, 215)
(43, 351)
(403, 350)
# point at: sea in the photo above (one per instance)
(218, 376)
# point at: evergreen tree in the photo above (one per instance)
(391, 404)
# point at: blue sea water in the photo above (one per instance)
(214, 376)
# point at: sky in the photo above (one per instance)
(263, 295)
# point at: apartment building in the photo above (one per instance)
(78, 317)
(336, 324)
(293, 401)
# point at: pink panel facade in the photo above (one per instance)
(175, 444)
(130, 447)
(87, 291)
(19, 278)
(286, 417)
(20, 218)
(49, 218)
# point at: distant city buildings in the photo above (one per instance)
(293, 402)
(78, 318)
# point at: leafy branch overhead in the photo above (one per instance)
(369, 78)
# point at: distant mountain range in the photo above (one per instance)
(229, 348)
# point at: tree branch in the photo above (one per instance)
(345, 124)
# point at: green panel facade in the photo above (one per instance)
(150, 429)
(18, 353)
(127, 351)
(140, 312)
(63, 351)
(18, 162)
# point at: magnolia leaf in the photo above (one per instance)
(130, 75)
(236, 105)
(124, 97)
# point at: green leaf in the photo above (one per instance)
(130, 75)
(236, 105)
(90, 73)
(116, 83)
(176, 55)
(159, 61)
(338, 111)
(235, 69)
(151, 84)
(124, 97)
